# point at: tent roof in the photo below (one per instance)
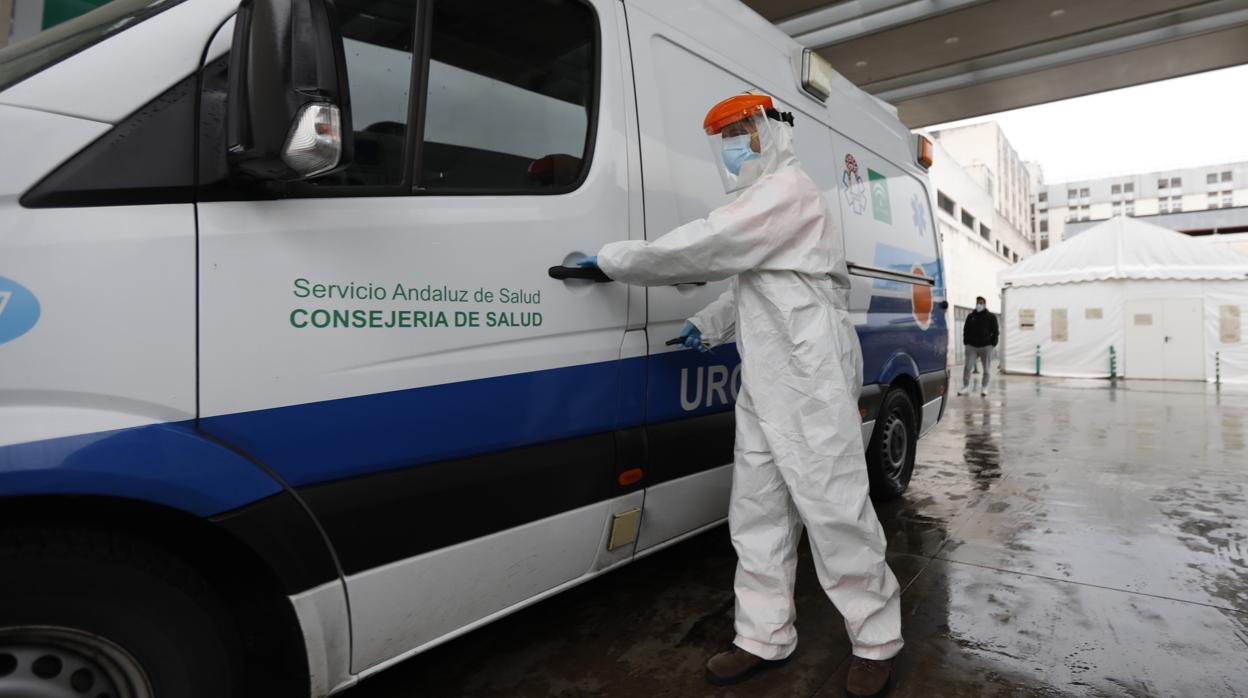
(1126, 248)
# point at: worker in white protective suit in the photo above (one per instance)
(799, 454)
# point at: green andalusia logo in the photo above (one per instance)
(881, 207)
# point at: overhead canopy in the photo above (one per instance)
(944, 60)
(1125, 248)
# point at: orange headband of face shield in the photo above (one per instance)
(734, 109)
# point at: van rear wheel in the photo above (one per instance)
(104, 616)
(890, 454)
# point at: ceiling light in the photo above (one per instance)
(1057, 13)
(860, 64)
(951, 40)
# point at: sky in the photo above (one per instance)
(1196, 120)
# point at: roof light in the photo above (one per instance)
(817, 75)
(926, 152)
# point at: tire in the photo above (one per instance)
(93, 614)
(890, 454)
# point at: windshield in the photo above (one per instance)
(25, 58)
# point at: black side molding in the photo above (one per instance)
(283, 535)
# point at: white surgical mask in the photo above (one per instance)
(979, 307)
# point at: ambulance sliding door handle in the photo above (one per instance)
(578, 272)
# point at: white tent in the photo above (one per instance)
(1169, 305)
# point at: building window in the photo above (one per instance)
(1117, 208)
(1083, 193)
(1129, 187)
(1044, 196)
(1213, 199)
(1211, 178)
(1044, 243)
(1130, 209)
(998, 246)
(1072, 193)
(944, 202)
(985, 232)
(1164, 206)
(1226, 199)
(1005, 250)
(1015, 256)
(1044, 226)
(1116, 189)
(1176, 204)
(1163, 183)
(1226, 176)
(968, 220)
(1176, 182)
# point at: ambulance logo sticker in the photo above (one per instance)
(852, 186)
(19, 310)
(918, 213)
(881, 207)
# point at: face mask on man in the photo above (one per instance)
(736, 151)
(979, 307)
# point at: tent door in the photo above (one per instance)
(1164, 339)
(1185, 339)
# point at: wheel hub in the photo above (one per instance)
(895, 446)
(56, 662)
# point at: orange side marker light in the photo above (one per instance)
(630, 477)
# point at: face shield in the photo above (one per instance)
(738, 138)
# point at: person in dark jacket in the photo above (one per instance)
(979, 336)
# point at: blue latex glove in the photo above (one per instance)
(693, 337)
(588, 262)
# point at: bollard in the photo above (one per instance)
(1113, 363)
(1037, 359)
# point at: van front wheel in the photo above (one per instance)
(90, 613)
(890, 454)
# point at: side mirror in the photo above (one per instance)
(289, 109)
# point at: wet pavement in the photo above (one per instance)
(1059, 538)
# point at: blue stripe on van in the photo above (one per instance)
(321, 441)
(167, 464)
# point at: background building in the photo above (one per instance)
(985, 153)
(983, 213)
(1197, 200)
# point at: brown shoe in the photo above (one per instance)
(735, 665)
(868, 678)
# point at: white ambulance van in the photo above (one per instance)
(298, 374)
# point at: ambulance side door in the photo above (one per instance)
(388, 339)
(690, 395)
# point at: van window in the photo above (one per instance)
(377, 38)
(510, 96)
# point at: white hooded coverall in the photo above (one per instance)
(799, 457)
